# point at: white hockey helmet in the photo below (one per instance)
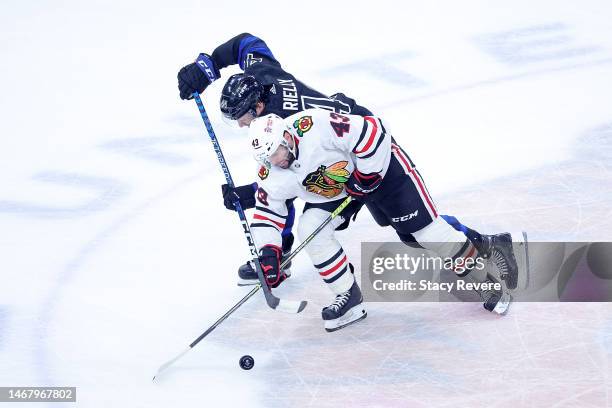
(267, 134)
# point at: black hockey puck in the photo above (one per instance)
(246, 362)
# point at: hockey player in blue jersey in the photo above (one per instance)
(264, 88)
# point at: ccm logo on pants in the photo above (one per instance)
(405, 217)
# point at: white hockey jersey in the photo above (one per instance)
(329, 146)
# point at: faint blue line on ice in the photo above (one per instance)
(533, 44)
(151, 148)
(380, 69)
(70, 269)
(109, 191)
(492, 81)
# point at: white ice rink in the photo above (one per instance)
(116, 251)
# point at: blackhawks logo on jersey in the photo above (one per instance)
(303, 125)
(327, 181)
(263, 172)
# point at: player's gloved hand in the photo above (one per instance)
(245, 195)
(360, 186)
(350, 212)
(197, 76)
(269, 259)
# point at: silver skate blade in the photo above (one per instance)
(357, 313)
(503, 305)
(520, 246)
(247, 282)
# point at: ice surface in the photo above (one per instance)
(115, 252)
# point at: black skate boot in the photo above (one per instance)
(499, 248)
(346, 309)
(247, 274)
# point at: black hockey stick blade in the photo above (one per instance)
(287, 306)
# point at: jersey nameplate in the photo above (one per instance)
(290, 94)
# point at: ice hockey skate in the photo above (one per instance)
(499, 249)
(346, 309)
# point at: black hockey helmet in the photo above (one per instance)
(240, 94)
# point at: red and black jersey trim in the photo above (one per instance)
(372, 135)
(261, 224)
(373, 152)
(265, 215)
(267, 210)
(363, 133)
(279, 224)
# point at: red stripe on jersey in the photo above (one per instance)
(371, 137)
(261, 217)
(333, 269)
(416, 177)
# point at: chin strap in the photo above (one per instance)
(293, 150)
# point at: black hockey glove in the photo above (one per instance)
(360, 186)
(245, 195)
(197, 76)
(269, 259)
(350, 212)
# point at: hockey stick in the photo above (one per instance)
(333, 215)
(274, 302)
(207, 332)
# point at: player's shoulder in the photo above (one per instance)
(304, 121)
(312, 112)
(274, 181)
(265, 70)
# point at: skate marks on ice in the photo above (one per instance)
(439, 354)
(567, 201)
(42, 350)
(433, 355)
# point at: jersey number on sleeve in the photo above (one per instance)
(340, 124)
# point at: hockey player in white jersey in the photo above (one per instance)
(321, 157)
